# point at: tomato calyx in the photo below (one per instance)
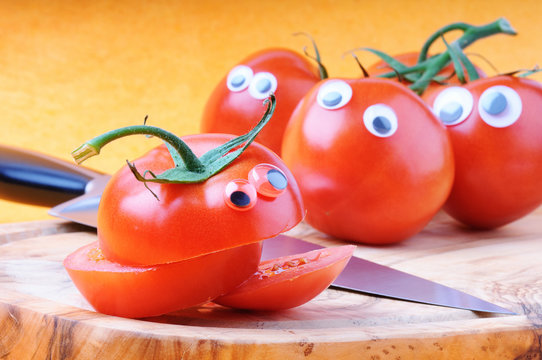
(427, 68)
(188, 167)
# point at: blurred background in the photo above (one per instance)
(70, 70)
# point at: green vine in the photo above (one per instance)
(427, 68)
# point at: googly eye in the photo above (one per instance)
(268, 180)
(334, 94)
(500, 106)
(240, 195)
(239, 78)
(453, 105)
(380, 120)
(262, 85)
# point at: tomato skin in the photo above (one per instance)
(498, 170)
(289, 287)
(360, 187)
(136, 292)
(189, 220)
(234, 112)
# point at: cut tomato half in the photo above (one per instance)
(289, 281)
(141, 291)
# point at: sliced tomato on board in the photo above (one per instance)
(289, 281)
(142, 291)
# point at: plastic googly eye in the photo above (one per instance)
(240, 195)
(500, 106)
(380, 120)
(239, 78)
(334, 94)
(268, 180)
(262, 85)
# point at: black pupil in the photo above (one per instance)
(240, 198)
(277, 179)
(381, 124)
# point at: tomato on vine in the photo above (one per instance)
(234, 103)
(372, 161)
(494, 126)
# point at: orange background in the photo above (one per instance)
(70, 70)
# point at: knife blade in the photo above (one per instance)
(75, 191)
(368, 277)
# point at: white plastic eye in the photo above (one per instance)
(239, 78)
(500, 106)
(262, 85)
(268, 180)
(380, 120)
(453, 105)
(240, 195)
(334, 94)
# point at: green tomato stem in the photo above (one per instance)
(471, 33)
(93, 147)
(188, 167)
(427, 68)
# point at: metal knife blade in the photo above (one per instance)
(83, 209)
(359, 275)
(368, 277)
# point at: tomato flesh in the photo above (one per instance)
(289, 281)
(136, 292)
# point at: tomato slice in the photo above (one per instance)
(141, 291)
(289, 281)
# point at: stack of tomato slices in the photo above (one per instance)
(137, 291)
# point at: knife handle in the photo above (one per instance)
(33, 178)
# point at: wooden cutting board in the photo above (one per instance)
(42, 316)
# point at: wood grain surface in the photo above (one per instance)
(42, 316)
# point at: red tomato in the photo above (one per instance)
(289, 281)
(410, 59)
(372, 161)
(136, 292)
(230, 209)
(494, 125)
(237, 99)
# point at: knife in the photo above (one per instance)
(75, 192)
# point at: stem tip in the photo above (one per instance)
(84, 152)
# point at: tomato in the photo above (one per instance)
(189, 220)
(289, 281)
(494, 125)
(373, 163)
(188, 228)
(135, 292)
(236, 100)
(448, 73)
